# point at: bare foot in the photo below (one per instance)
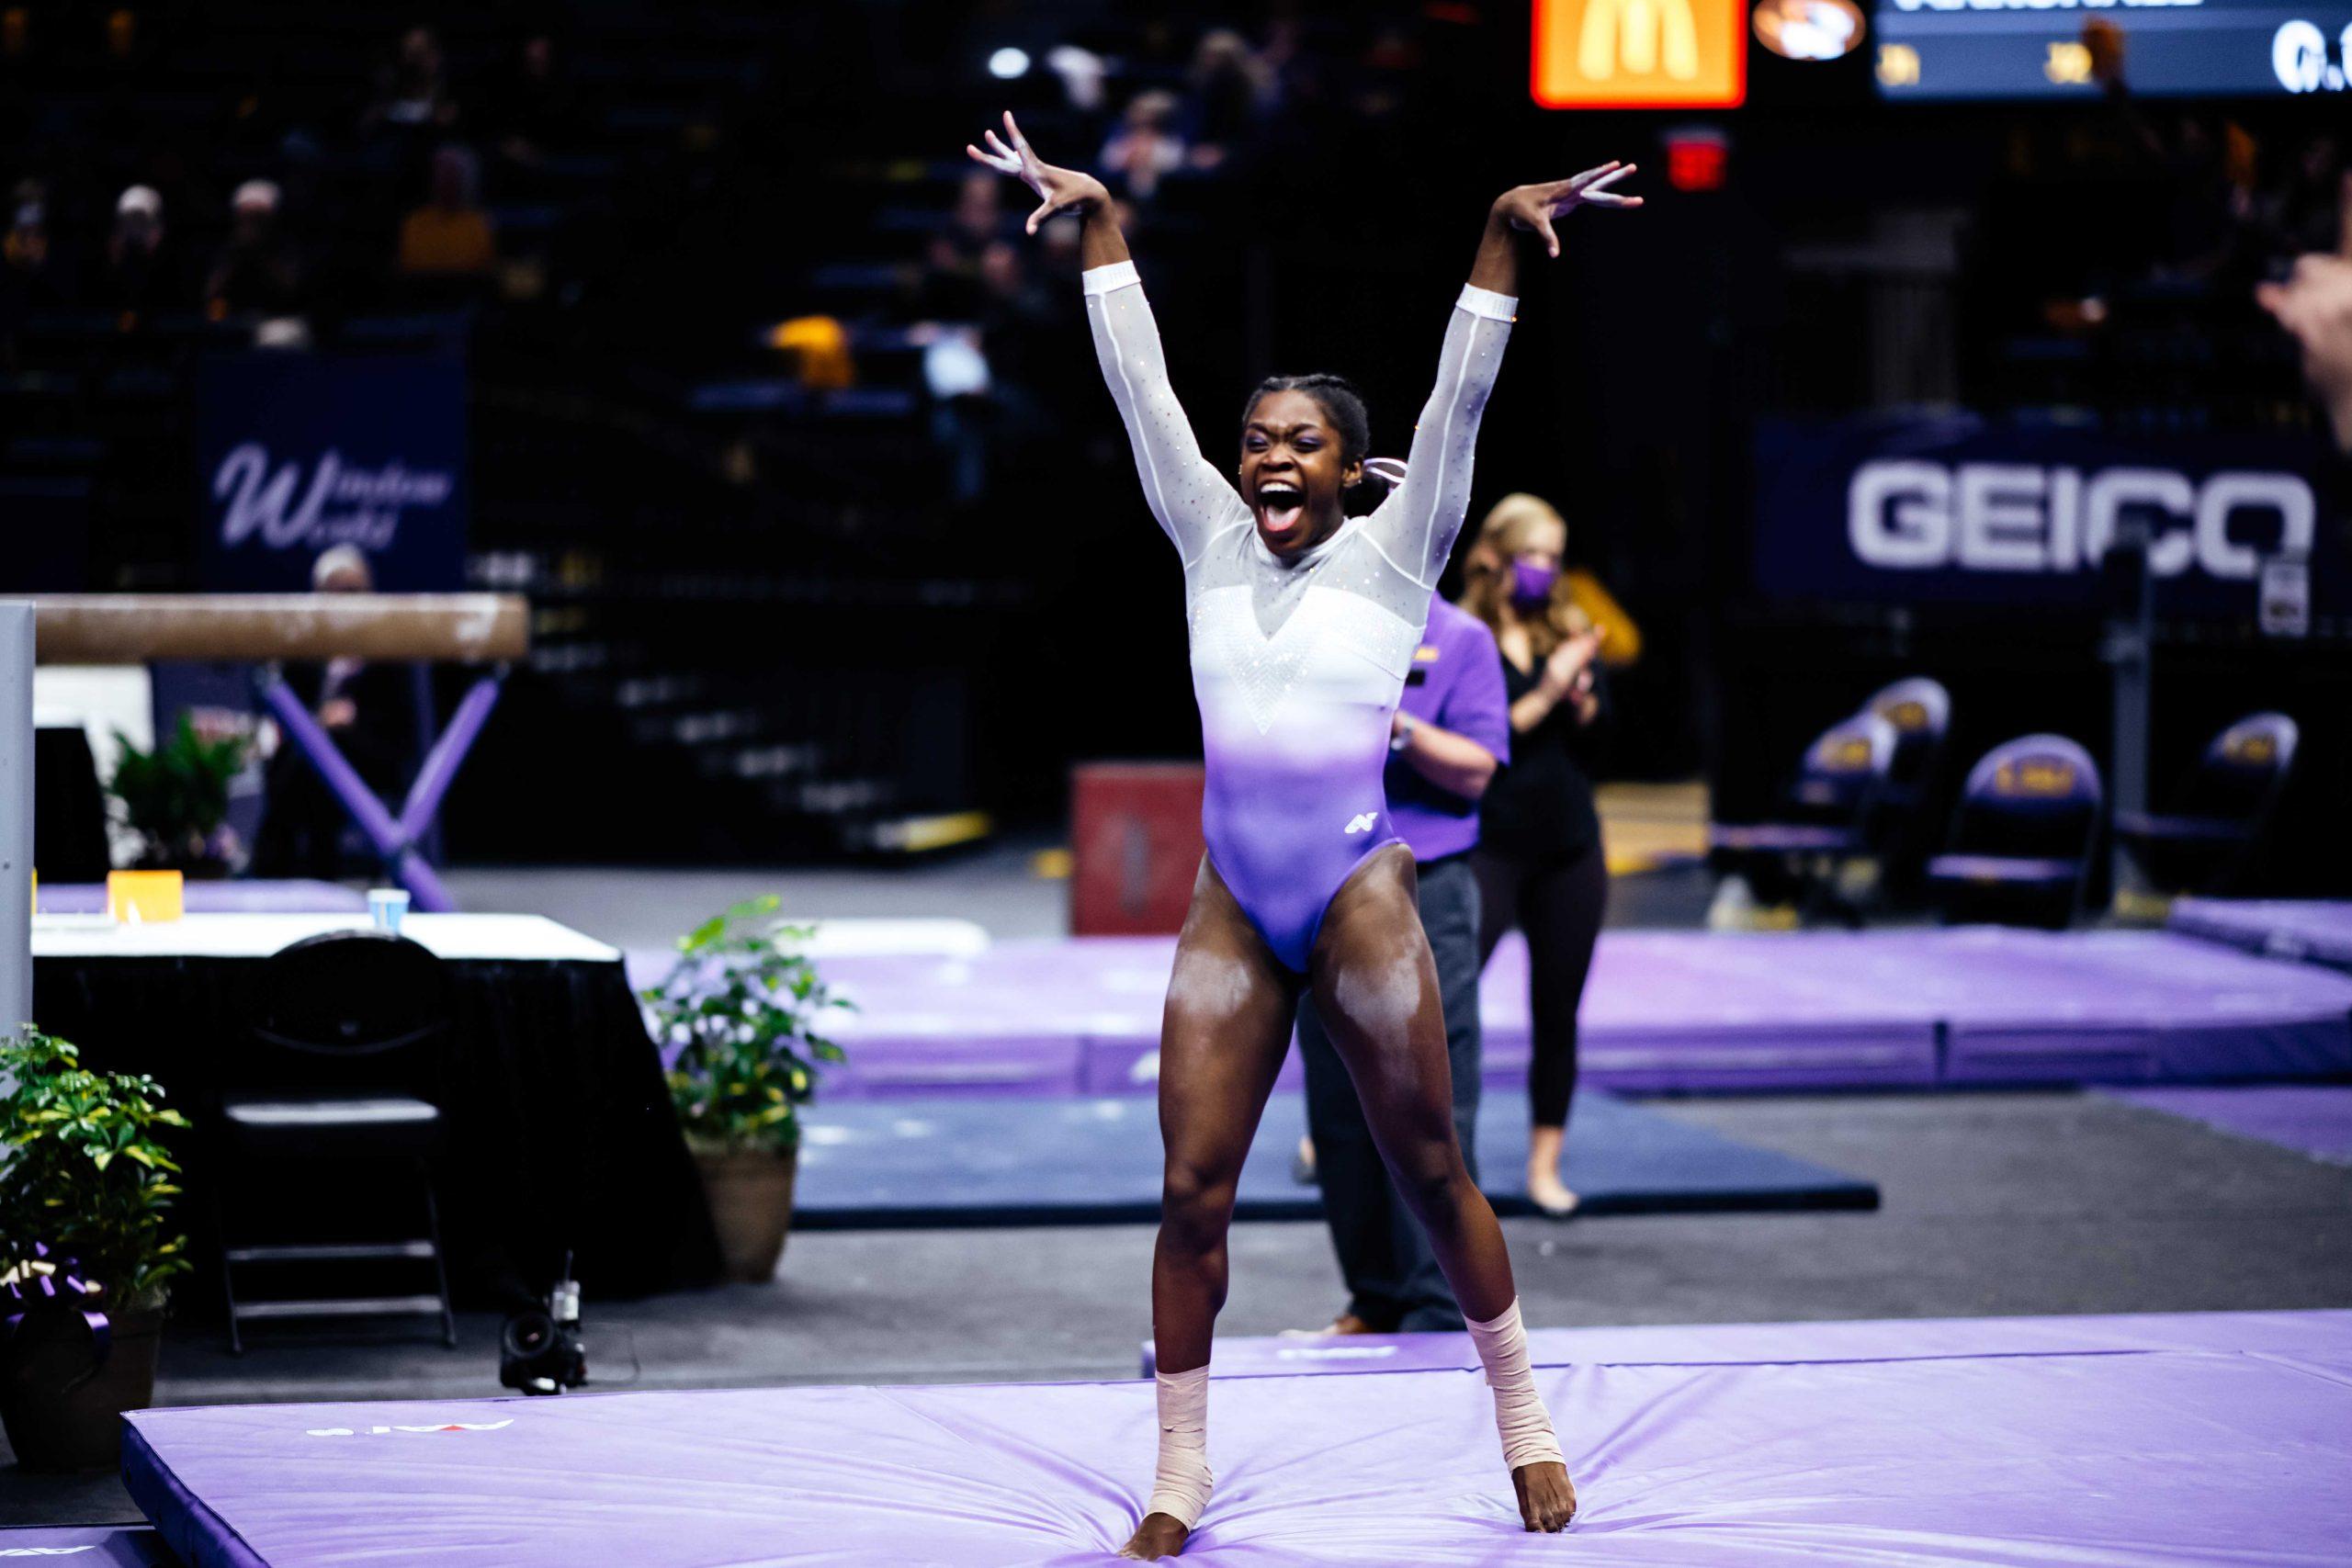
(1548, 1193)
(1547, 1499)
(1160, 1536)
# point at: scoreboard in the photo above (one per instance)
(2034, 49)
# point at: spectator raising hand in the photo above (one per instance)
(2315, 306)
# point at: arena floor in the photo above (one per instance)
(2008, 1203)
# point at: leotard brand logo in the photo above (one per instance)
(384, 1431)
(1363, 822)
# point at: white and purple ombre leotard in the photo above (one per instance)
(1297, 664)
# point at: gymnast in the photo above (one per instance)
(1304, 623)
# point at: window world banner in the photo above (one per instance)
(297, 453)
(1957, 510)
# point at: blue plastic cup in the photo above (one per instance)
(386, 906)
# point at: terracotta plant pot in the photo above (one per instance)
(750, 1207)
(62, 1406)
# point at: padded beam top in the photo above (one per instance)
(134, 628)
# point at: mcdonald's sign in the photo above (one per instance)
(1640, 53)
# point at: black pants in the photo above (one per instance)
(1559, 904)
(1393, 1279)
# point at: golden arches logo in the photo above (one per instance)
(1643, 35)
(1640, 53)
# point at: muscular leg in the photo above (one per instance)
(1222, 1039)
(1375, 987)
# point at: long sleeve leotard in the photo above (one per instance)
(1297, 664)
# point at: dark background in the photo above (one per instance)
(771, 622)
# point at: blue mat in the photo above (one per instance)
(1057, 1159)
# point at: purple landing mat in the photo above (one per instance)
(2321, 1337)
(2310, 1119)
(2031, 1442)
(2123, 1006)
(87, 1546)
(259, 897)
(1666, 1011)
(2318, 931)
(1669, 1012)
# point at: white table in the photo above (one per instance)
(478, 937)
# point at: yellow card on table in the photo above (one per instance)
(142, 898)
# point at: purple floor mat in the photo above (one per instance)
(250, 897)
(2319, 930)
(2027, 1442)
(2312, 1119)
(86, 1546)
(2320, 1336)
(1666, 1011)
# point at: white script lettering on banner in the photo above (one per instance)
(1910, 514)
(339, 504)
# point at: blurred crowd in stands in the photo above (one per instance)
(264, 250)
(1173, 128)
(2136, 231)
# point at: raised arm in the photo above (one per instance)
(1190, 496)
(1417, 523)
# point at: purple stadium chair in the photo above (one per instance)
(2021, 835)
(1920, 711)
(1826, 816)
(2208, 844)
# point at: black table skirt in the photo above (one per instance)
(558, 1127)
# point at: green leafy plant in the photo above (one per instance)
(739, 1018)
(176, 796)
(82, 1169)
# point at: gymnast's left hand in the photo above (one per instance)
(1534, 207)
(1062, 190)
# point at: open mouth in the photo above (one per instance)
(1280, 506)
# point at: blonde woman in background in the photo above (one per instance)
(1539, 861)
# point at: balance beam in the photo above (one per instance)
(268, 629)
(138, 629)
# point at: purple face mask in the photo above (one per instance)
(1532, 583)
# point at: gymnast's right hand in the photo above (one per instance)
(1063, 189)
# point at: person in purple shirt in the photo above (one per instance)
(1451, 732)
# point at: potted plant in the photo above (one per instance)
(175, 797)
(86, 1251)
(738, 1019)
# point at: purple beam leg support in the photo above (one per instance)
(351, 789)
(342, 778)
(415, 873)
(449, 754)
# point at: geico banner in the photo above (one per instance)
(1958, 510)
(297, 453)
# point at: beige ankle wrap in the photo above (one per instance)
(1180, 1488)
(1520, 1416)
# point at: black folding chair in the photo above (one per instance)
(339, 1067)
(2021, 835)
(1825, 818)
(2209, 841)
